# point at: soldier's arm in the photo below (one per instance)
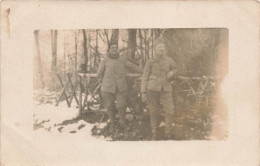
(145, 77)
(172, 74)
(101, 71)
(133, 67)
(173, 68)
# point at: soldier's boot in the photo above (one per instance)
(154, 126)
(121, 112)
(112, 118)
(168, 126)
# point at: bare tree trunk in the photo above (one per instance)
(131, 44)
(53, 84)
(54, 34)
(148, 45)
(64, 55)
(152, 41)
(145, 45)
(96, 41)
(141, 47)
(40, 71)
(97, 53)
(76, 55)
(85, 49)
(114, 36)
(157, 33)
(90, 53)
(106, 34)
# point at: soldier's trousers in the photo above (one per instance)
(160, 101)
(113, 102)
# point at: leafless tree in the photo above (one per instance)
(141, 46)
(54, 34)
(131, 44)
(115, 35)
(76, 55)
(85, 49)
(39, 61)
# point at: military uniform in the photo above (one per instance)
(159, 90)
(112, 75)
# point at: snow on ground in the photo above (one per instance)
(54, 114)
(49, 118)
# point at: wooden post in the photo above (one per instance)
(86, 90)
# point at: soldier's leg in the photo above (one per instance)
(121, 99)
(109, 104)
(153, 104)
(167, 103)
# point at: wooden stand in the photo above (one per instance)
(63, 91)
(83, 81)
(84, 77)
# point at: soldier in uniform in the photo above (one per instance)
(112, 76)
(156, 87)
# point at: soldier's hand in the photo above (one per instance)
(170, 76)
(144, 98)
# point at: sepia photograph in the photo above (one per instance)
(131, 84)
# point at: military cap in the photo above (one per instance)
(113, 43)
(159, 41)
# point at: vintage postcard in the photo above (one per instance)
(130, 83)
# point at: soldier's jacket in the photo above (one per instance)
(112, 74)
(154, 74)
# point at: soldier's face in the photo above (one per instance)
(160, 50)
(113, 49)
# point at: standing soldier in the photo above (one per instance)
(156, 87)
(112, 76)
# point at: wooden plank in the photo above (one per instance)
(63, 93)
(73, 90)
(64, 87)
(95, 75)
(87, 74)
(74, 94)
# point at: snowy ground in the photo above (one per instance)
(49, 119)
(64, 121)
